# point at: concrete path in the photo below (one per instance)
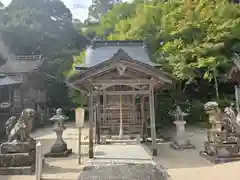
(121, 153)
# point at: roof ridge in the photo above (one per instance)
(26, 57)
(121, 54)
(116, 42)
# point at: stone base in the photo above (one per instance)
(21, 147)
(125, 137)
(177, 146)
(218, 160)
(61, 154)
(27, 170)
(17, 159)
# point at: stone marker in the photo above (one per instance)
(59, 149)
(39, 161)
(138, 139)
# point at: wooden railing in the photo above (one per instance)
(113, 118)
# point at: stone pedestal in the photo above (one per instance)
(181, 142)
(221, 153)
(59, 148)
(17, 158)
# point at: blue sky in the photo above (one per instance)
(79, 8)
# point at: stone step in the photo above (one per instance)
(17, 159)
(25, 170)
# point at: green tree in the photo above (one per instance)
(43, 27)
(101, 7)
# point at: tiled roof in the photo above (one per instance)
(101, 51)
(21, 64)
(6, 80)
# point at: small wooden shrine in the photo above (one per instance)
(120, 79)
(21, 86)
(234, 76)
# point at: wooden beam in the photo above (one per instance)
(122, 92)
(110, 85)
(113, 82)
(90, 104)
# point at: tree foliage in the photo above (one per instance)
(101, 7)
(42, 27)
(194, 39)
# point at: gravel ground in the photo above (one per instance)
(122, 172)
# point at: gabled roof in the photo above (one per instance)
(120, 56)
(100, 51)
(22, 64)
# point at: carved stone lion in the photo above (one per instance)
(214, 113)
(21, 130)
(10, 124)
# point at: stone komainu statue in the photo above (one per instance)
(224, 136)
(10, 124)
(20, 129)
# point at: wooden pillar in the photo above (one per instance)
(134, 113)
(90, 109)
(237, 93)
(98, 134)
(143, 119)
(152, 121)
(121, 118)
(104, 108)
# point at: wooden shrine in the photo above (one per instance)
(120, 80)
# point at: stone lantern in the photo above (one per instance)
(180, 142)
(59, 148)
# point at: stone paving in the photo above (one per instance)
(122, 172)
(121, 162)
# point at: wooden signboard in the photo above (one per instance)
(79, 116)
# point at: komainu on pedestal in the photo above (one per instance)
(17, 156)
(223, 139)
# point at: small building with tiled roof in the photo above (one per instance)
(22, 64)
(21, 85)
(120, 79)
